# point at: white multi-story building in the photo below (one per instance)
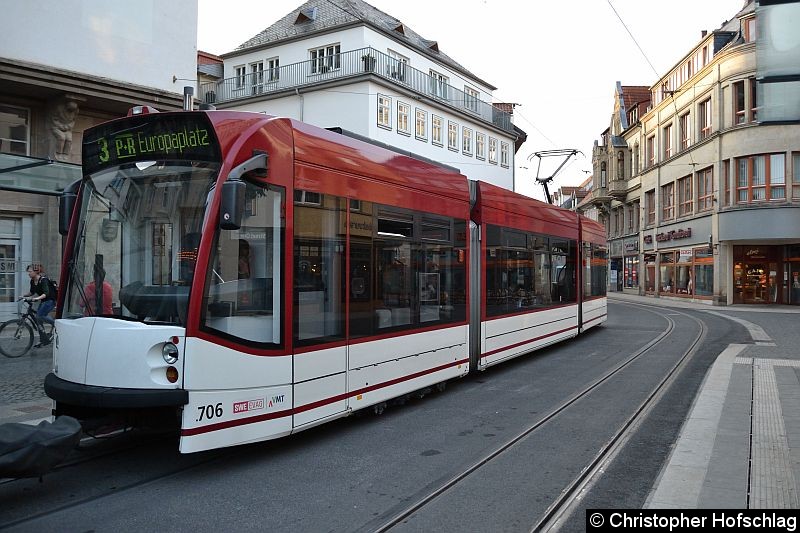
(64, 67)
(345, 64)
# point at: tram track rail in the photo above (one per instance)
(563, 504)
(560, 508)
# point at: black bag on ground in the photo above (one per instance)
(32, 451)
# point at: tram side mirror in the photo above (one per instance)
(66, 204)
(231, 205)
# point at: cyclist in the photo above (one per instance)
(41, 291)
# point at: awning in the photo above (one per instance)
(40, 176)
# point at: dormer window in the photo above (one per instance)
(749, 29)
(400, 28)
(306, 15)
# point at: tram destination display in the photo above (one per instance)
(185, 137)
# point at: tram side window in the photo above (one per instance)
(523, 272)
(407, 270)
(319, 268)
(563, 277)
(598, 270)
(244, 283)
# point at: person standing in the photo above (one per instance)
(42, 292)
(94, 299)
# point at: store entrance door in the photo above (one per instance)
(9, 276)
(794, 283)
(757, 283)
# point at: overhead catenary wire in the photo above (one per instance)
(647, 59)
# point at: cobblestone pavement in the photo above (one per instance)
(22, 379)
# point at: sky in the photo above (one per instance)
(558, 60)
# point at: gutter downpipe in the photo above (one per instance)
(302, 102)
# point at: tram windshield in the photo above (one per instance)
(137, 240)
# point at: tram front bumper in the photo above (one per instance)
(91, 396)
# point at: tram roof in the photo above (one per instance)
(497, 205)
(337, 151)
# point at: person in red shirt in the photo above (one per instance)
(90, 293)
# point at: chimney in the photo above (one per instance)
(703, 34)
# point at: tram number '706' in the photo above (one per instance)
(207, 412)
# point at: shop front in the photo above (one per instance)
(630, 278)
(678, 261)
(615, 272)
(766, 274)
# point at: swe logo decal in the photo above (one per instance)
(248, 405)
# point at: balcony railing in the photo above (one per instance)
(351, 64)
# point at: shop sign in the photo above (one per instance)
(674, 235)
(686, 253)
(631, 246)
(648, 239)
(755, 253)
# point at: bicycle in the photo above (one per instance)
(16, 336)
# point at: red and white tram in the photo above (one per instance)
(266, 276)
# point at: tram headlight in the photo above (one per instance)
(170, 353)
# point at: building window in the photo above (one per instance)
(651, 151)
(668, 201)
(739, 108)
(257, 77)
(760, 177)
(685, 126)
(452, 136)
(650, 205)
(629, 209)
(726, 177)
(326, 58)
(480, 147)
(384, 111)
(685, 196)
(635, 169)
(466, 140)
(273, 69)
(705, 189)
(603, 175)
(492, 150)
(753, 100)
(704, 111)
(403, 110)
(397, 66)
(14, 123)
(437, 125)
(471, 97)
(749, 29)
(439, 84)
(620, 165)
(668, 141)
(421, 129)
(795, 176)
(504, 154)
(240, 73)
